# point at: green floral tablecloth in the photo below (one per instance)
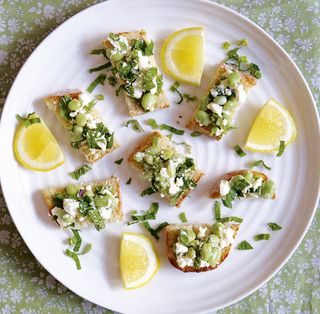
(25, 287)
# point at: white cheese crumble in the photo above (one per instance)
(144, 62)
(226, 237)
(104, 212)
(164, 173)
(137, 90)
(175, 186)
(215, 108)
(154, 90)
(204, 264)
(202, 232)
(70, 206)
(257, 183)
(241, 94)
(184, 261)
(224, 187)
(180, 248)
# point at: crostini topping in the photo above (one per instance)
(86, 129)
(132, 63)
(79, 205)
(204, 247)
(170, 172)
(245, 185)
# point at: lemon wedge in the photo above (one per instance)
(182, 55)
(272, 125)
(36, 148)
(138, 260)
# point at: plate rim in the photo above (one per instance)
(229, 11)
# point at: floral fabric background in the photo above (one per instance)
(25, 287)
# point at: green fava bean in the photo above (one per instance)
(234, 78)
(215, 256)
(191, 253)
(74, 104)
(230, 104)
(81, 119)
(167, 154)
(214, 240)
(72, 189)
(220, 100)
(153, 150)
(109, 53)
(216, 228)
(101, 201)
(148, 101)
(116, 56)
(149, 159)
(204, 103)
(206, 251)
(203, 118)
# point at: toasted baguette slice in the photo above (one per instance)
(247, 80)
(114, 182)
(53, 103)
(228, 176)
(133, 104)
(164, 142)
(171, 234)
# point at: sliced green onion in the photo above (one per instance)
(30, 119)
(244, 245)
(217, 210)
(232, 218)
(129, 181)
(195, 134)
(78, 240)
(189, 98)
(154, 232)
(183, 217)
(274, 226)
(259, 163)
(75, 257)
(174, 88)
(147, 191)
(135, 125)
(171, 129)
(262, 236)
(149, 214)
(282, 147)
(99, 80)
(119, 161)
(239, 151)
(101, 67)
(80, 172)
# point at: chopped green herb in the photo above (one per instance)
(86, 249)
(242, 43)
(231, 218)
(255, 70)
(171, 129)
(174, 88)
(195, 134)
(259, 163)
(135, 125)
(239, 151)
(30, 119)
(119, 161)
(217, 210)
(226, 45)
(189, 98)
(75, 257)
(227, 201)
(183, 217)
(80, 172)
(101, 51)
(274, 226)
(112, 80)
(153, 123)
(99, 80)
(149, 214)
(147, 191)
(154, 232)
(262, 236)
(76, 239)
(101, 67)
(282, 146)
(244, 245)
(169, 136)
(129, 181)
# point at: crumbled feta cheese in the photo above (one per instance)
(215, 108)
(88, 188)
(117, 47)
(104, 212)
(202, 233)
(164, 173)
(228, 91)
(204, 264)
(85, 98)
(175, 186)
(184, 261)
(180, 248)
(56, 211)
(224, 187)
(257, 183)
(137, 90)
(224, 122)
(139, 156)
(241, 94)
(154, 90)
(102, 144)
(70, 206)
(227, 237)
(218, 132)
(214, 93)
(92, 122)
(144, 62)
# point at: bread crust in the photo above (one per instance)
(164, 141)
(53, 103)
(216, 188)
(248, 82)
(134, 106)
(117, 213)
(171, 234)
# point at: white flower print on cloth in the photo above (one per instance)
(26, 288)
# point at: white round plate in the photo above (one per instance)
(61, 62)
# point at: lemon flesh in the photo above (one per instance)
(272, 125)
(182, 55)
(36, 148)
(138, 260)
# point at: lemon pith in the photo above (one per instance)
(182, 55)
(272, 125)
(36, 148)
(139, 261)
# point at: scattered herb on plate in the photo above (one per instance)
(99, 80)
(135, 125)
(239, 151)
(282, 147)
(30, 119)
(183, 217)
(80, 172)
(259, 163)
(149, 214)
(274, 226)
(155, 232)
(244, 245)
(262, 236)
